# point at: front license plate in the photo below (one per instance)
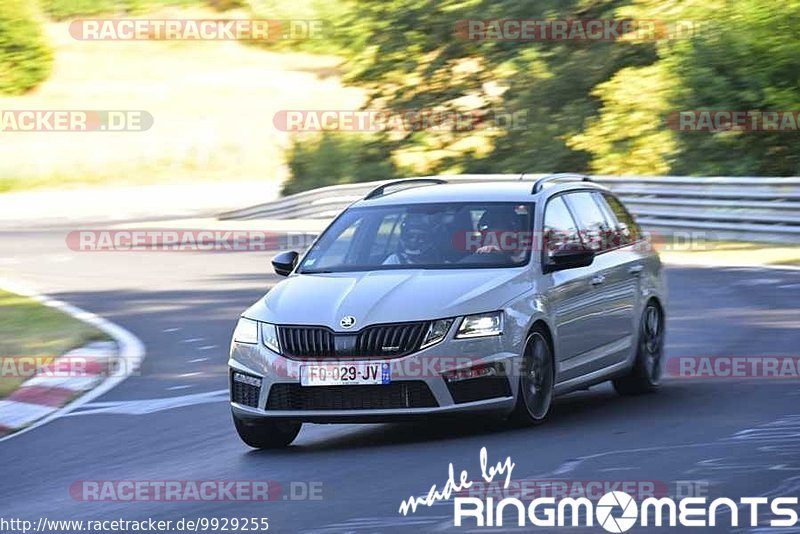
(343, 374)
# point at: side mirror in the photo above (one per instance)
(285, 262)
(569, 256)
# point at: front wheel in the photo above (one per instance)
(267, 434)
(646, 373)
(537, 377)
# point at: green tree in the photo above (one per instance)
(336, 158)
(741, 55)
(628, 136)
(25, 56)
(410, 55)
(590, 105)
(748, 60)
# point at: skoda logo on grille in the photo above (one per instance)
(347, 321)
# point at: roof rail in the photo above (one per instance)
(380, 190)
(567, 176)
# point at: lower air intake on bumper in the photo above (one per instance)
(406, 394)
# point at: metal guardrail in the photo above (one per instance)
(741, 209)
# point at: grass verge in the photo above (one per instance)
(28, 328)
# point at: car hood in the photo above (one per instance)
(387, 296)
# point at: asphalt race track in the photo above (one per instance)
(726, 437)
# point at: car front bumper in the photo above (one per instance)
(424, 367)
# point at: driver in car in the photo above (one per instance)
(417, 241)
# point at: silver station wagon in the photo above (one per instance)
(432, 298)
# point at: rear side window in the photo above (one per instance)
(626, 225)
(595, 228)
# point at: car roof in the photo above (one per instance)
(505, 191)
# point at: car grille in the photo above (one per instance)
(408, 394)
(475, 389)
(306, 342)
(378, 341)
(245, 394)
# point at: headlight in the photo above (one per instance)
(246, 331)
(269, 333)
(483, 324)
(436, 332)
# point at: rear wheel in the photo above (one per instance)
(267, 434)
(646, 373)
(536, 381)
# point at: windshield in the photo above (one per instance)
(422, 236)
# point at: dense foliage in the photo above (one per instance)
(591, 106)
(25, 56)
(336, 158)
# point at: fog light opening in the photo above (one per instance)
(478, 371)
(246, 379)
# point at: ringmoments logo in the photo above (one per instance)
(615, 511)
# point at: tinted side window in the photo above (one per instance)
(594, 227)
(559, 226)
(627, 227)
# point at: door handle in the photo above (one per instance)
(598, 279)
(636, 270)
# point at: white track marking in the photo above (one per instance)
(148, 406)
(15, 414)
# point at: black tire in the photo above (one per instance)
(536, 381)
(267, 434)
(646, 373)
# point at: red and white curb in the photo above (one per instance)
(44, 398)
(45, 393)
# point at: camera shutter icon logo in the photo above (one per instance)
(608, 503)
